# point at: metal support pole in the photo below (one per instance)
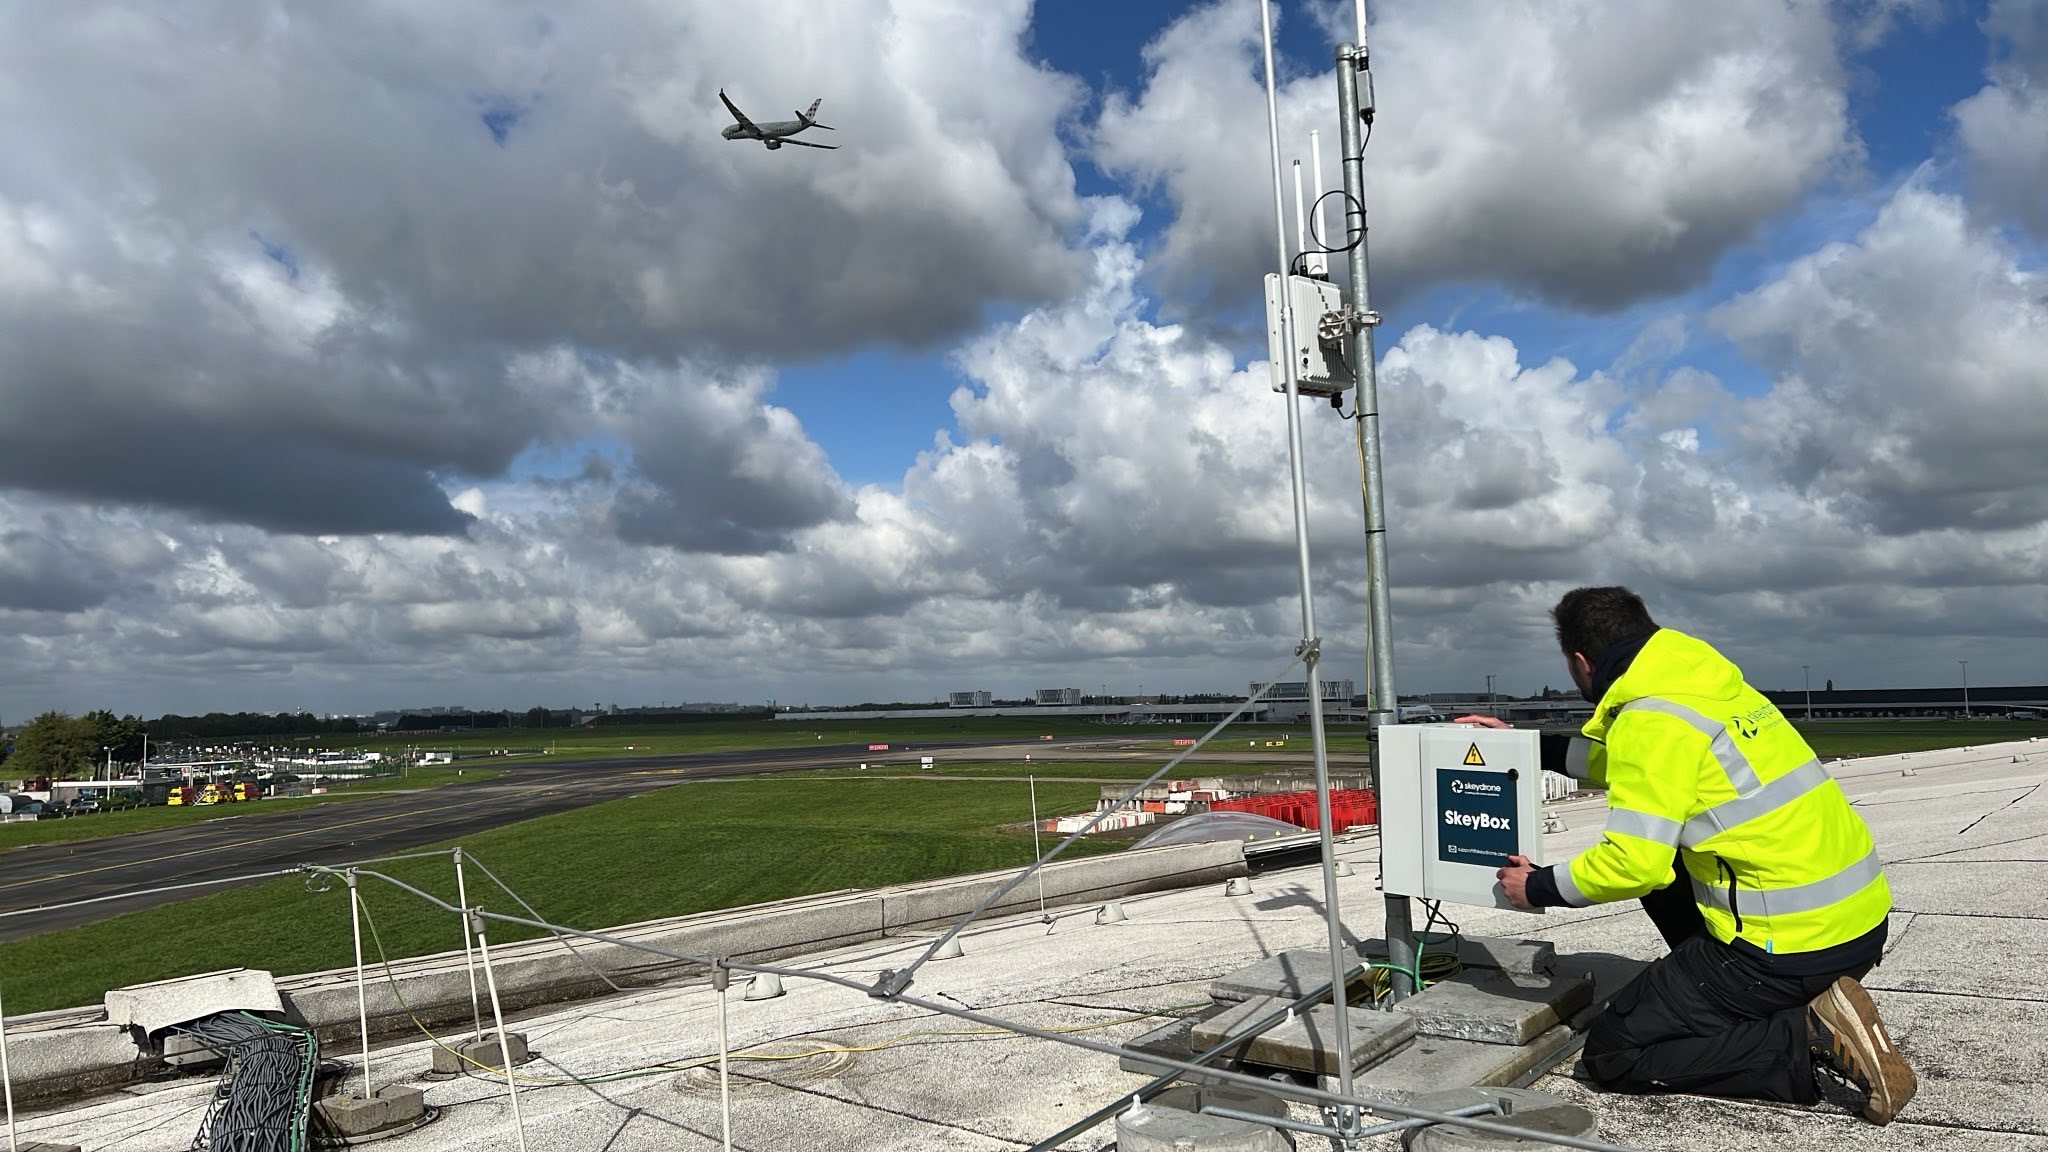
(721, 979)
(1310, 649)
(355, 916)
(1035, 853)
(476, 1012)
(483, 944)
(7, 1078)
(1353, 61)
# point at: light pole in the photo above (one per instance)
(1492, 709)
(1808, 670)
(1966, 688)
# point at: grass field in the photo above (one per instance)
(103, 824)
(684, 849)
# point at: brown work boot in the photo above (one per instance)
(1847, 1036)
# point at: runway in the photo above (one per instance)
(36, 876)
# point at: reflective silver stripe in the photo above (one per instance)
(1562, 873)
(1765, 800)
(1798, 898)
(1578, 759)
(1643, 826)
(1741, 776)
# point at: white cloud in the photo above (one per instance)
(2004, 127)
(1908, 363)
(277, 266)
(1587, 153)
(1113, 508)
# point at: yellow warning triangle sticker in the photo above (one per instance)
(1473, 758)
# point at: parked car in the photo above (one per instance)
(85, 804)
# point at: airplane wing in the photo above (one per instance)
(736, 113)
(808, 144)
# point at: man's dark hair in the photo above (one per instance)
(1591, 620)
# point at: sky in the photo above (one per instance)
(376, 355)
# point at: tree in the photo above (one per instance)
(103, 730)
(53, 744)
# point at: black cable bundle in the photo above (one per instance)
(261, 1102)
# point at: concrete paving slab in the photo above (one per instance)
(1702, 1124)
(1287, 976)
(1961, 887)
(152, 1007)
(1308, 1041)
(1966, 953)
(1431, 1063)
(1496, 1007)
(1980, 1060)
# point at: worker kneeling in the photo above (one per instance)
(1777, 905)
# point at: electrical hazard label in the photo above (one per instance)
(1473, 759)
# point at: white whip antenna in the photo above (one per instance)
(1318, 262)
(1300, 214)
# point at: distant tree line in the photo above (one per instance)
(243, 725)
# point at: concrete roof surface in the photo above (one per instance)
(1963, 987)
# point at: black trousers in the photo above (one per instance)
(1706, 1020)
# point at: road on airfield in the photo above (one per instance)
(34, 877)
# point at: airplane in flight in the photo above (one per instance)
(775, 133)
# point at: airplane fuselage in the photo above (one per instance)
(772, 130)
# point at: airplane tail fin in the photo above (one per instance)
(809, 116)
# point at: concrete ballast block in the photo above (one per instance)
(1288, 976)
(1496, 1007)
(349, 1117)
(1504, 953)
(1431, 1063)
(1172, 1122)
(1537, 1113)
(1306, 1043)
(480, 1055)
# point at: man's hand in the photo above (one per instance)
(1483, 721)
(1515, 878)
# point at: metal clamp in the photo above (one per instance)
(1310, 650)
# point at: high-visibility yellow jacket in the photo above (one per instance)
(1700, 767)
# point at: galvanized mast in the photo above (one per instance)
(1354, 69)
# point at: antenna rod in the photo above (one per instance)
(1310, 650)
(1300, 215)
(1319, 263)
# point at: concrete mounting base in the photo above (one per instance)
(1430, 1062)
(1171, 1122)
(394, 1108)
(480, 1055)
(1538, 1113)
(1504, 953)
(1496, 1007)
(1174, 1040)
(1287, 976)
(1306, 1043)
